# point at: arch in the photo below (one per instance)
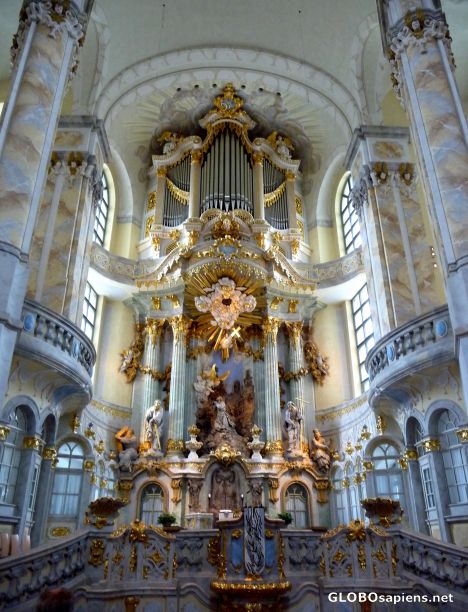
(67, 487)
(297, 502)
(218, 64)
(436, 408)
(30, 409)
(156, 503)
(49, 429)
(383, 439)
(414, 427)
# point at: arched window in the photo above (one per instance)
(454, 458)
(387, 472)
(68, 479)
(364, 331)
(102, 212)
(10, 457)
(354, 502)
(339, 498)
(152, 504)
(296, 504)
(349, 220)
(90, 304)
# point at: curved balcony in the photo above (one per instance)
(49, 338)
(422, 342)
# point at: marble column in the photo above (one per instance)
(195, 178)
(44, 488)
(258, 195)
(44, 54)
(397, 240)
(296, 362)
(273, 433)
(151, 360)
(417, 41)
(63, 234)
(291, 199)
(175, 443)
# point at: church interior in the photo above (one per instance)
(233, 304)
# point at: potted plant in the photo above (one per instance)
(286, 517)
(167, 520)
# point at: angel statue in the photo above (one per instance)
(292, 425)
(320, 453)
(153, 426)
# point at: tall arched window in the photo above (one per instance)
(102, 212)
(68, 479)
(10, 457)
(152, 504)
(364, 331)
(387, 472)
(349, 220)
(454, 458)
(296, 504)
(339, 498)
(90, 304)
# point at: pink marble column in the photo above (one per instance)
(418, 44)
(44, 53)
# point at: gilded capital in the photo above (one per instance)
(32, 443)
(294, 329)
(462, 435)
(257, 158)
(4, 432)
(270, 327)
(180, 327)
(49, 453)
(154, 329)
(430, 445)
(196, 157)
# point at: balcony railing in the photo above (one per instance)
(50, 338)
(411, 347)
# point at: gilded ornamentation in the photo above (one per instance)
(356, 531)
(292, 306)
(180, 327)
(151, 201)
(96, 552)
(236, 534)
(272, 197)
(88, 465)
(193, 237)
(403, 461)
(176, 486)
(262, 588)
(89, 432)
(270, 328)
(298, 203)
(33, 443)
(131, 603)
(317, 364)
(274, 447)
(154, 329)
(260, 240)
(179, 194)
(342, 411)
(275, 302)
(75, 423)
(228, 104)
(381, 425)
(124, 488)
(362, 557)
(175, 445)
(60, 532)
(462, 435)
(273, 485)
(156, 303)
(148, 225)
(365, 433)
(131, 357)
(368, 465)
(100, 447)
(138, 532)
(295, 246)
(384, 511)
(294, 329)
(4, 432)
(225, 454)
(430, 445)
(349, 448)
(411, 454)
(156, 242)
(300, 227)
(345, 483)
(50, 454)
(258, 157)
(322, 487)
(174, 300)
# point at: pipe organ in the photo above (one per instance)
(226, 171)
(226, 175)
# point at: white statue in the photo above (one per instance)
(292, 425)
(127, 445)
(153, 425)
(223, 420)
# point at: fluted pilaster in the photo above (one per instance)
(272, 389)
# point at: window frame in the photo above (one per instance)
(349, 217)
(69, 472)
(362, 322)
(88, 323)
(101, 219)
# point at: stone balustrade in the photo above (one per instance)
(411, 347)
(442, 566)
(51, 338)
(24, 577)
(104, 568)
